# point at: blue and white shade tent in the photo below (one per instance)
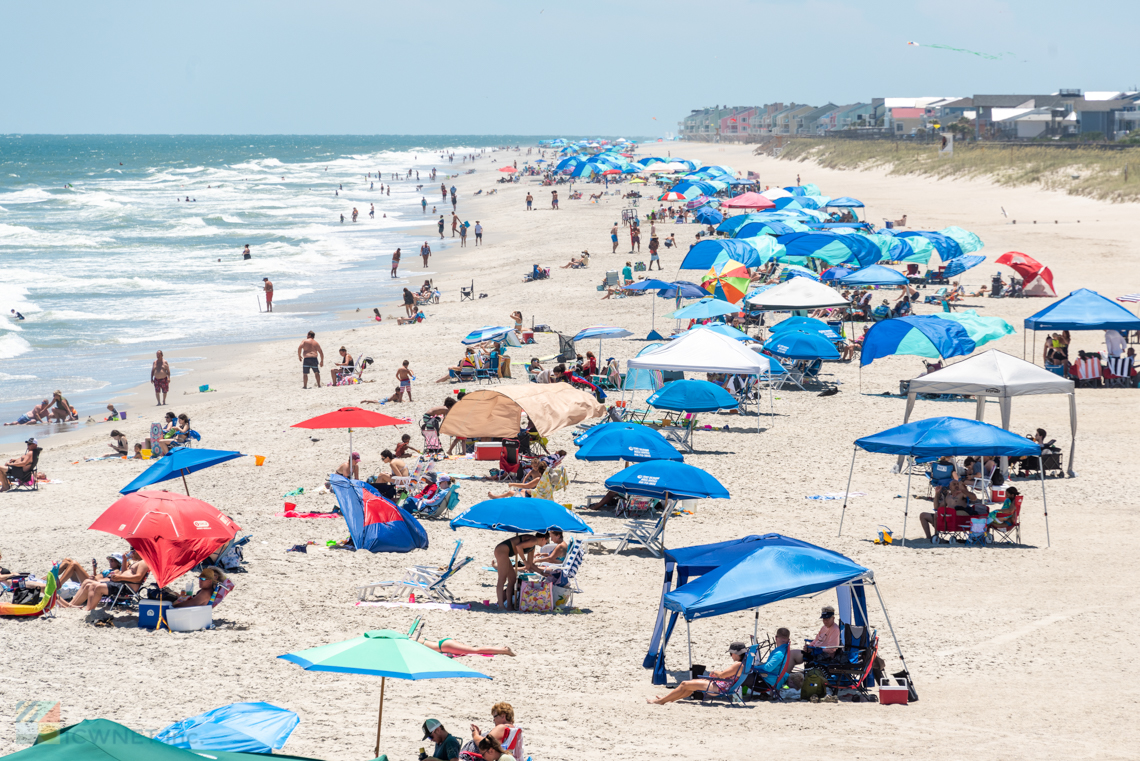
(926, 336)
(749, 573)
(875, 274)
(927, 440)
(957, 266)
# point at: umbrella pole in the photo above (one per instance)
(350, 455)
(850, 473)
(1041, 470)
(185, 485)
(379, 720)
(906, 505)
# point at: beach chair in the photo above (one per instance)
(735, 693)
(850, 667)
(1087, 372)
(467, 293)
(949, 526)
(564, 576)
(1010, 530)
(125, 596)
(681, 435)
(757, 687)
(438, 505)
(648, 534)
(1117, 372)
(48, 599)
(421, 578)
(30, 482)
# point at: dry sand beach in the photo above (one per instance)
(1021, 652)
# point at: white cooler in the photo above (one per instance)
(190, 619)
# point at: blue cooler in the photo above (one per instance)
(148, 613)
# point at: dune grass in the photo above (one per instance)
(1110, 175)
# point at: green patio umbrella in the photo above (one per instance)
(383, 653)
(99, 740)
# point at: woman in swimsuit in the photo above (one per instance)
(716, 683)
(505, 553)
(449, 646)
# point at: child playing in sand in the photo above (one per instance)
(138, 452)
(405, 446)
(398, 396)
(405, 376)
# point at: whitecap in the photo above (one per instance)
(12, 345)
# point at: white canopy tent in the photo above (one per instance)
(705, 351)
(797, 293)
(996, 374)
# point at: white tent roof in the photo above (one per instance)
(703, 351)
(991, 373)
(798, 293)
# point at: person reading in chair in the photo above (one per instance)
(92, 590)
(715, 683)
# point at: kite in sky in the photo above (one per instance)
(987, 56)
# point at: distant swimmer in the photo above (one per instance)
(423, 204)
(342, 219)
(372, 211)
(17, 315)
(355, 213)
(268, 287)
(245, 254)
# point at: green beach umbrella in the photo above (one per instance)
(100, 740)
(981, 329)
(383, 653)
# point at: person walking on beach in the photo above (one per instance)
(529, 201)
(443, 192)
(613, 237)
(372, 211)
(404, 376)
(554, 200)
(454, 223)
(440, 226)
(634, 237)
(395, 262)
(423, 204)
(311, 357)
(245, 252)
(160, 377)
(425, 252)
(654, 245)
(478, 233)
(463, 235)
(268, 288)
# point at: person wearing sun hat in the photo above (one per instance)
(446, 745)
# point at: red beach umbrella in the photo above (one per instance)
(172, 532)
(508, 169)
(748, 201)
(612, 171)
(1037, 277)
(351, 417)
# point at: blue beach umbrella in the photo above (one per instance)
(626, 441)
(181, 462)
(846, 202)
(772, 227)
(519, 515)
(704, 309)
(692, 396)
(962, 263)
(806, 324)
(662, 479)
(726, 330)
(875, 274)
(486, 333)
(800, 344)
(795, 270)
(919, 336)
(601, 331)
(706, 215)
(237, 728)
(834, 273)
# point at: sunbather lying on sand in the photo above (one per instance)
(449, 646)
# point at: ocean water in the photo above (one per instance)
(107, 261)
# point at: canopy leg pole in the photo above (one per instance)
(1023, 338)
(184, 485)
(689, 637)
(1034, 360)
(906, 505)
(380, 719)
(891, 627)
(756, 627)
(850, 473)
(1044, 504)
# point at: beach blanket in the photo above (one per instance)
(837, 495)
(416, 605)
(295, 514)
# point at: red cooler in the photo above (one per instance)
(488, 450)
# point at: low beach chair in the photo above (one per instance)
(1087, 372)
(428, 580)
(467, 293)
(565, 575)
(648, 534)
(1117, 372)
(438, 506)
(1009, 530)
(31, 482)
(735, 692)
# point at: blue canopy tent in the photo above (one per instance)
(521, 515)
(630, 442)
(374, 523)
(1082, 309)
(962, 263)
(236, 728)
(703, 255)
(182, 461)
(748, 573)
(929, 439)
(926, 336)
(875, 274)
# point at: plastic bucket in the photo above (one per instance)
(258, 460)
(289, 506)
(204, 388)
(146, 454)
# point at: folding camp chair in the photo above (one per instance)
(1087, 372)
(1010, 530)
(649, 534)
(467, 293)
(681, 435)
(125, 595)
(1117, 372)
(757, 687)
(425, 579)
(735, 693)
(850, 667)
(30, 482)
(565, 575)
(438, 506)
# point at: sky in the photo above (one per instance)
(529, 67)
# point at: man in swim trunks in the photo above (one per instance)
(308, 353)
(404, 375)
(613, 237)
(37, 414)
(160, 377)
(245, 252)
(268, 287)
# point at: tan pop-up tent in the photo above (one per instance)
(497, 413)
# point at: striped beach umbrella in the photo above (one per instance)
(486, 333)
(728, 281)
(672, 196)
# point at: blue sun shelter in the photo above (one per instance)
(374, 523)
(237, 728)
(1082, 309)
(927, 440)
(801, 344)
(919, 336)
(806, 324)
(747, 574)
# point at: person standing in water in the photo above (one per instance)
(268, 287)
(245, 252)
(423, 204)
(395, 262)
(425, 252)
(160, 377)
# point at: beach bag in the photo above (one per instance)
(815, 685)
(24, 596)
(536, 597)
(231, 559)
